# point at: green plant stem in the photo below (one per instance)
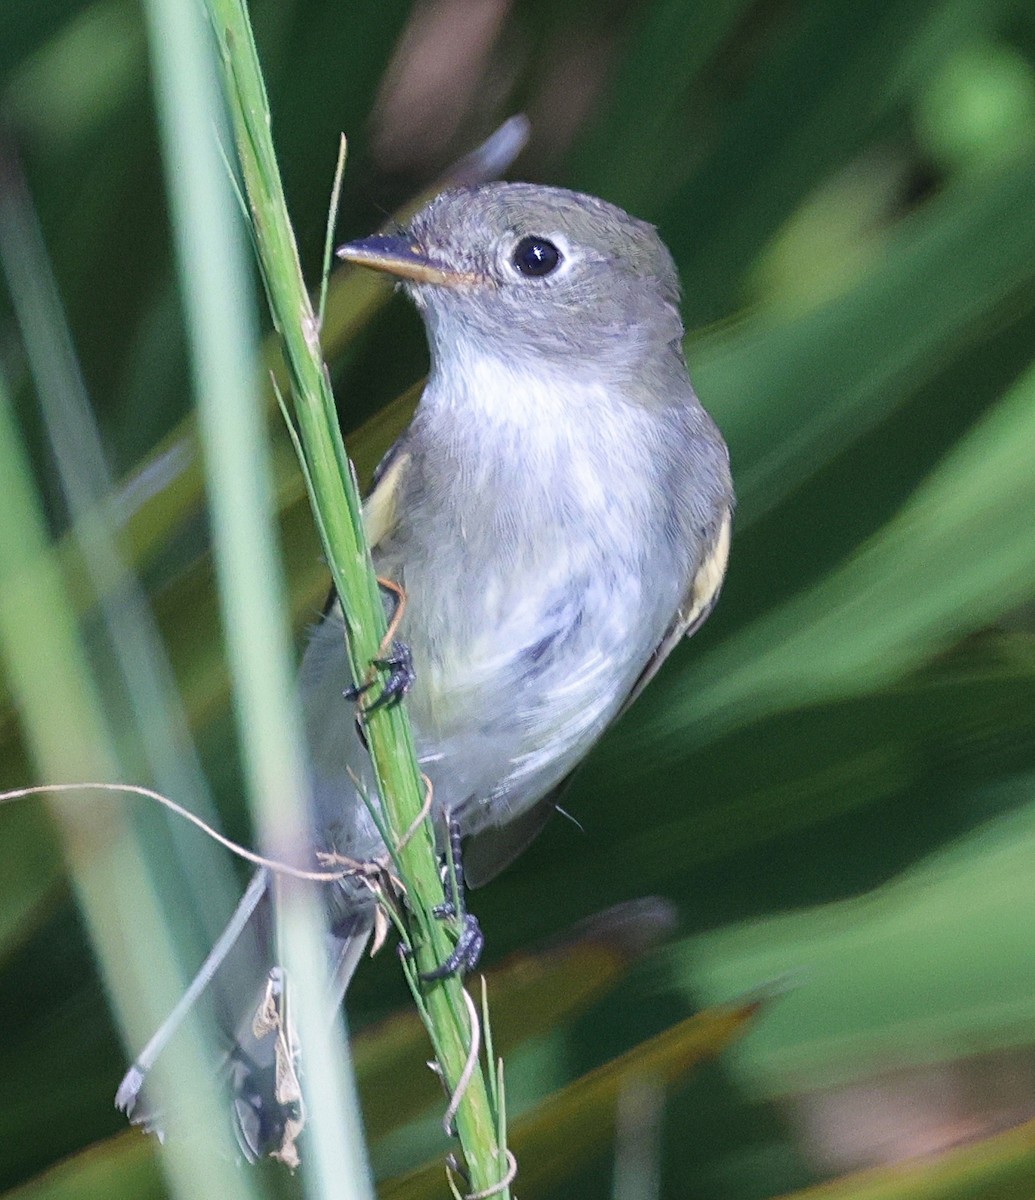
(339, 517)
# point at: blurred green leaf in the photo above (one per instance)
(673, 43)
(553, 1142)
(32, 868)
(829, 77)
(122, 1166)
(934, 966)
(37, 24)
(790, 394)
(967, 533)
(62, 104)
(997, 1168)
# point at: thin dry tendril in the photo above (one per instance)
(135, 789)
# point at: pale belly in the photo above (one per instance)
(513, 686)
(515, 683)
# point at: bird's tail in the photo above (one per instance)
(244, 990)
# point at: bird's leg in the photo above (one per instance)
(395, 658)
(471, 940)
(399, 664)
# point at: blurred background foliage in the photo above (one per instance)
(833, 786)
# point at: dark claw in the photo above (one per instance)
(471, 942)
(400, 665)
(401, 678)
(466, 953)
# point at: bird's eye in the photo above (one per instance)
(536, 256)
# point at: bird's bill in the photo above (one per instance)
(397, 255)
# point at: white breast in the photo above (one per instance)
(536, 564)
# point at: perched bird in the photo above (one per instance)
(558, 513)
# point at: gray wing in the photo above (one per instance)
(701, 597)
(487, 853)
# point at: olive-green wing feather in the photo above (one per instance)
(381, 506)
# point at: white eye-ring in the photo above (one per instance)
(537, 256)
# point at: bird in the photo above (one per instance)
(558, 517)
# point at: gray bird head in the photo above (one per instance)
(535, 274)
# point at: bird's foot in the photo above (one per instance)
(466, 954)
(470, 942)
(401, 677)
